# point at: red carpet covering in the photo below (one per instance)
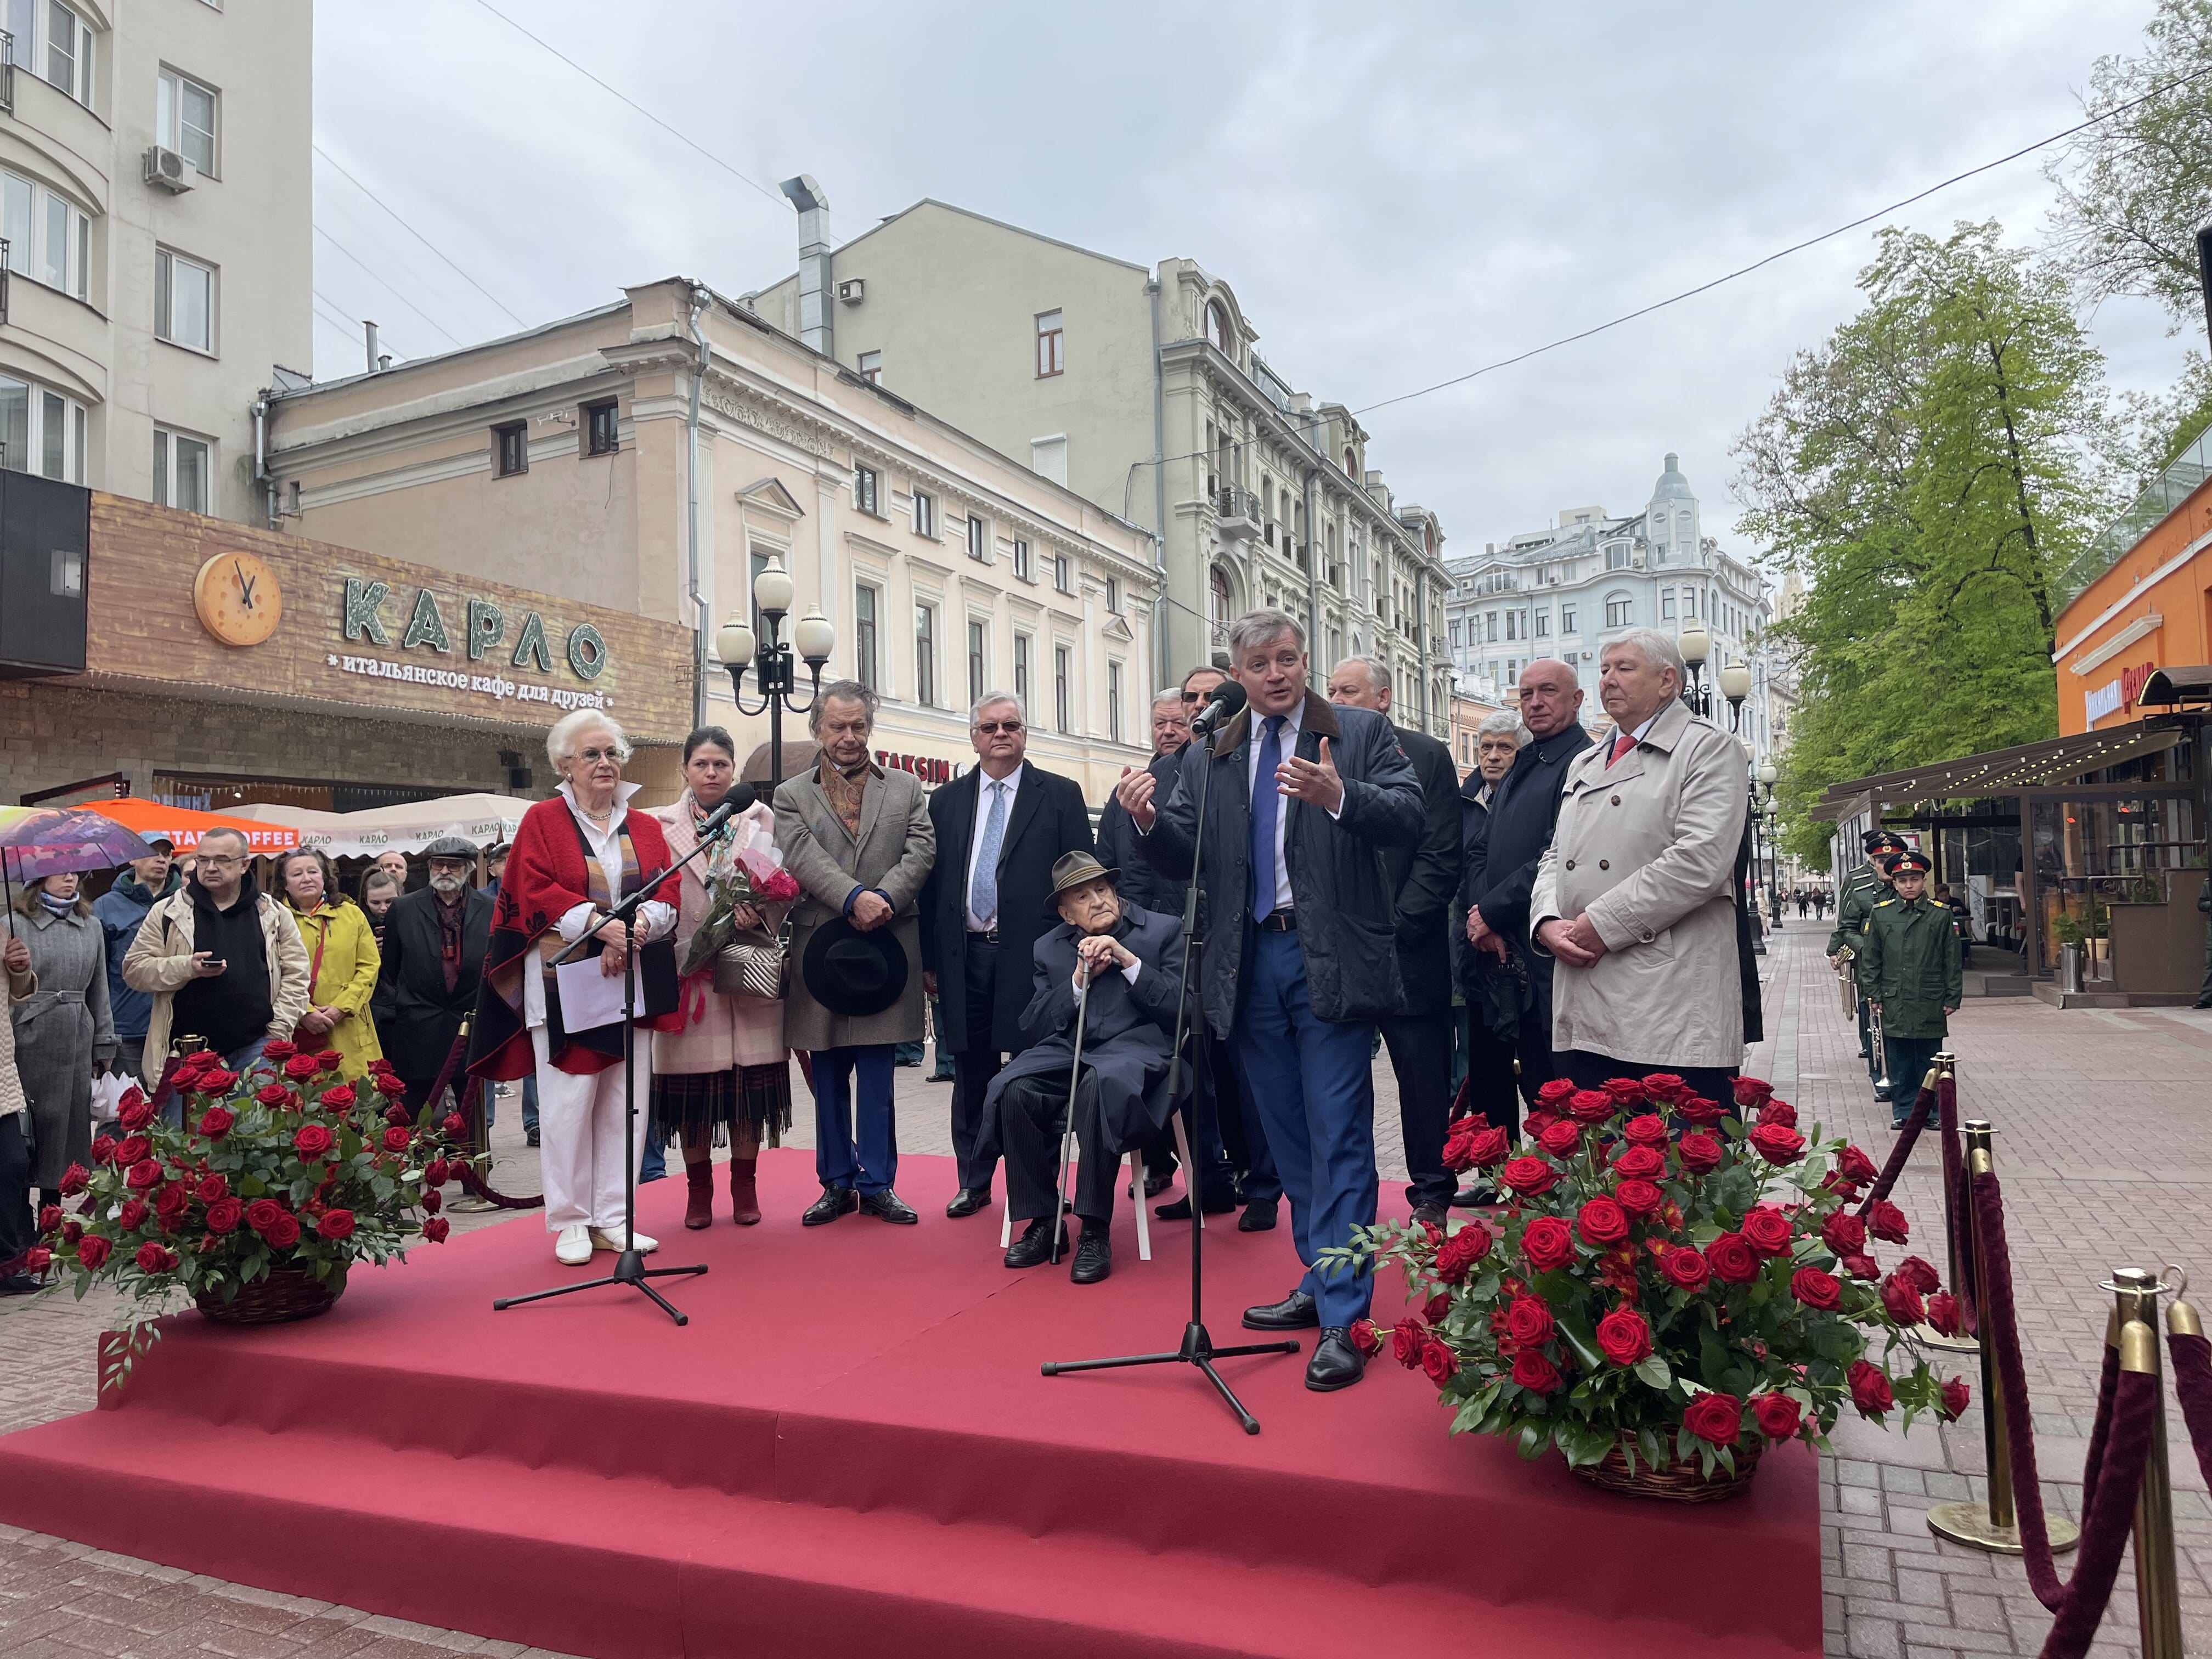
(850, 1451)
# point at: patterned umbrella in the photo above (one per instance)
(49, 841)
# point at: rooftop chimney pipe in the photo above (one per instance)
(808, 197)
(369, 329)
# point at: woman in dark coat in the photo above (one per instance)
(63, 1028)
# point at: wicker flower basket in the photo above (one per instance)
(1677, 1483)
(280, 1296)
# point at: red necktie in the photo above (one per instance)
(1621, 745)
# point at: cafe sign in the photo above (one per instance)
(483, 628)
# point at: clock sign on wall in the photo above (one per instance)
(237, 598)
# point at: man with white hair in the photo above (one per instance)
(1633, 898)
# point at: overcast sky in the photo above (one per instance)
(1397, 192)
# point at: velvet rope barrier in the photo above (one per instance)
(1943, 1103)
(1901, 1152)
(2192, 1385)
(2107, 1517)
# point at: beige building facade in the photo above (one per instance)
(156, 200)
(1142, 390)
(560, 458)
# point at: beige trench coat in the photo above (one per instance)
(159, 960)
(727, 1031)
(894, 852)
(1647, 848)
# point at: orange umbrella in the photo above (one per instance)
(183, 827)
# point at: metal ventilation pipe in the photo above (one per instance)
(812, 203)
(368, 330)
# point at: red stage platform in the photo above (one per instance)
(850, 1451)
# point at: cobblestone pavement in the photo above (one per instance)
(2101, 1146)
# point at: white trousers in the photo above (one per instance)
(581, 1140)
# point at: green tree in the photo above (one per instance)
(1925, 470)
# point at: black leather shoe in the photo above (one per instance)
(1295, 1312)
(1094, 1256)
(967, 1201)
(1475, 1195)
(1035, 1244)
(529, 1137)
(1336, 1364)
(888, 1206)
(1430, 1215)
(1259, 1216)
(834, 1202)
(1178, 1211)
(31, 1284)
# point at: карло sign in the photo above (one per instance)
(483, 640)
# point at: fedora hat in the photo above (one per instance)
(1073, 869)
(852, 972)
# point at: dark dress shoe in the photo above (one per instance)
(1336, 1364)
(967, 1201)
(834, 1202)
(888, 1206)
(529, 1137)
(1429, 1215)
(1295, 1312)
(31, 1284)
(1178, 1211)
(1475, 1195)
(1094, 1256)
(1259, 1216)
(1035, 1244)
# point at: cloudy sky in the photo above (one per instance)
(1398, 193)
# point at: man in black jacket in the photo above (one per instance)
(1300, 956)
(434, 952)
(1497, 885)
(1000, 827)
(1423, 879)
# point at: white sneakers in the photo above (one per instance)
(605, 1240)
(572, 1246)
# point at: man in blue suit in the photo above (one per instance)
(1300, 954)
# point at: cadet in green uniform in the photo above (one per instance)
(1909, 964)
(1855, 898)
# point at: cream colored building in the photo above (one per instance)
(558, 458)
(1143, 390)
(156, 198)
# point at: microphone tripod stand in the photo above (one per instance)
(1197, 1348)
(629, 1265)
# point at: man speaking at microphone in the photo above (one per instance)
(1301, 957)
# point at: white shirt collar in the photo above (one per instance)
(623, 792)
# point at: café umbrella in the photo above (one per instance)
(53, 841)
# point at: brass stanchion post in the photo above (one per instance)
(1993, 1526)
(1945, 1070)
(2136, 1291)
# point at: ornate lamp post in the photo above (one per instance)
(1735, 685)
(1696, 645)
(1767, 776)
(771, 657)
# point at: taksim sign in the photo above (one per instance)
(2113, 696)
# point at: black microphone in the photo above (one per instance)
(1228, 702)
(740, 799)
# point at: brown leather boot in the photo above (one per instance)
(699, 1200)
(744, 1199)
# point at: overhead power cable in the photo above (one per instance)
(341, 169)
(355, 260)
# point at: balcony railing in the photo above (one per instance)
(2164, 493)
(1238, 511)
(7, 71)
(4, 279)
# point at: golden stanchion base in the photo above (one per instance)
(1969, 1524)
(1928, 1337)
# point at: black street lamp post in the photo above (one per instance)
(773, 662)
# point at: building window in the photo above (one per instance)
(184, 119)
(1022, 668)
(1113, 701)
(1114, 595)
(49, 236)
(1543, 624)
(181, 472)
(979, 539)
(1490, 627)
(1022, 560)
(1620, 611)
(602, 427)
(53, 42)
(871, 367)
(1566, 619)
(184, 301)
(41, 432)
(865, 666)
(1060, 704)
(925, 653)
(1513, 624)
(864, 489)
(978, 666)
(924, 513)
(1666, 605)
(510, 448)
(1063, 573)
(1217, 328)
(1689, 605)
(1350, 463)
(1456, 635)
(1216, 605)
(1051, 345)
(1616, 556)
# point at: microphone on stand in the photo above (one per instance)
(739, 799)
(1229, 701)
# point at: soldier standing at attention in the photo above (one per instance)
(1855, 901)
(1909, 964)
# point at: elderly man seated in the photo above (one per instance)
(1133, 960)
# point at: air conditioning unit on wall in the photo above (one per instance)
(165, 169)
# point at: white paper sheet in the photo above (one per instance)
(589, 997)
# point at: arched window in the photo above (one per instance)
(1217, 328)
(1351, 462)
(1620, 611)
(1218, 605)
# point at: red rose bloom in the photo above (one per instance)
(396, 1140)
(1886, 1222)
(1780, 1112)
(328, 1060)
(1590, 1105)
(1625, 1090)
(1535, 1373)
(1855, 1165)
(1955, 1395)
(1844, 1233)
(1869, 1387)
(277, 1049)
(1698, 1153)
(300, 1067)
(1623, 1337)
(436, 1228)
(1901, 1301)
(92, 1252)
(397, 1116)
(130, 1215)
(1696, 1108)
(1536, 1122)
(154, 1258)
(385, 1083)
(1766, 1229)
(1648, 1130)
(1777, 1414)
(1639, 1197)
(103, 1149)
(1530, 1176)
(1685, 1268)
(1456, 1256)
(1365, 1339)
(136, 1149)
(171, 1199)
(1489, 1146)
(273, 1095)
(140, 1175)
(1602, 1222)
(1554, 1092)
(217, 1081)
(224, 1215)
(338, 1097)
(1529, 1321)
(436, 1173)
(1816, 1289)
(135, 1111)
(452, 1125)
(1751, 1091)
(284, 1233)
(312, 1141)
(1919, 1274)
(72, 1231)
(1405, 1342)
(1715, 1419)
(432, 1201)
(1639, 1162)
(1437, 1308)
(216, 1122)
(1441, 1363)
(335, 1224)
(1731, 1260)
(380, 1065)
(263, 1214)
(1547, 1243)
(1776, 1144)
(50, 1218)
(1561, 1139)
(1861, 1266)
(35, 1259)
(1665, 1086)
(211, 1187)
(1944, 1314)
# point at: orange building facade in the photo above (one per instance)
(2151, 610)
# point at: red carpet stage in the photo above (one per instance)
(850, 1451)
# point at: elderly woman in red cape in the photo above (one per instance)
(575, 858)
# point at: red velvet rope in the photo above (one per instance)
(1902, 1152)
(2107, 1517)
(1958, 1206)
(2192, 1387)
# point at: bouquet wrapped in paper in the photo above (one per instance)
(752, 876)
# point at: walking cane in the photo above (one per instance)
(1068, 1134)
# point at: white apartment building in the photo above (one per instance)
(1566, 591)
(156, 199)
(1142, 389)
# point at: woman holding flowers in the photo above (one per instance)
(722, 1074)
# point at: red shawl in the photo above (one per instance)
(546, 878)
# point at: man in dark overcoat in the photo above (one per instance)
(435, 939)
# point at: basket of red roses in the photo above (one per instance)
(1667, 1290)
(254, 1207)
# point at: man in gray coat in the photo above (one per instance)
(858, 841)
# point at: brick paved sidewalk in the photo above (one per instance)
(2103, 1149)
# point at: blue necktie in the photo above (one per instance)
(1265, 805)
(983, 896)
